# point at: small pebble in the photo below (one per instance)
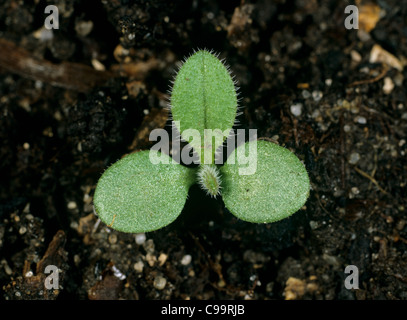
(138, 266)
(27, 208)
(296, 109)
(77, 259)
(140, 238)
(275, 137)
(83, 28)
(43, 34)
(22, 230)
(361, 120)
(305, 94)
(317, 95)
(355, 56)
(162, 258)
(160, 282)
(71, 205)
(117, 273)
(388, 85)
(6, 267)
(354, 158)
(151, 259)
(221, 283)
(313, 224)
(112, 238)
(149, 246)
(186, 260)
(29, 274)
(97, 65)
(355, 190)
(379, 55)
(331, 260)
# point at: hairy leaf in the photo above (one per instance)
(204, 97)
(134, 195)
(279, 187)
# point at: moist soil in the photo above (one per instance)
(75, 99)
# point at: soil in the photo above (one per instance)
(73, 100)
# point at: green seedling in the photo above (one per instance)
(135, 195)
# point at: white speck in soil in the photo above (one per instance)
(361, 120)
(317, 95)
(355, 56)
(160, 282)
(354, 158)
(151, 259)
(118, 274)
(162, 258)
(29, 274)
(388, 85)
(186, 260)
(112, 238)
(138, 266)
(140, 238)
(296, 109)
(355, 190)
(71, 205)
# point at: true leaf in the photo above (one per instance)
(279, 187)
(204, 97)
(135, 195)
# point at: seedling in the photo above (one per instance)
(135, 195)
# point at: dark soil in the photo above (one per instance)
(74, 100)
